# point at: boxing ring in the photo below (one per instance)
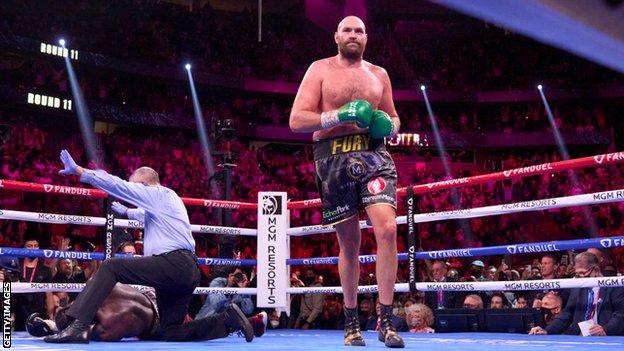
(286, 339)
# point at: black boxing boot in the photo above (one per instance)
(235, 320)
(352, 332)
(76, 333)
(37, 326)
(387, 333)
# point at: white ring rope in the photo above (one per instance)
(519, 285)
(526, 206)
(56, 218)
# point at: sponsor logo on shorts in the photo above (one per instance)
(271, 205)
(336, 212)
(355, 168)
(378, 198)
(376, 186)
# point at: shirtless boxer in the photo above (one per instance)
(126, 313)
(347, 103)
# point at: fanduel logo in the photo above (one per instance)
(48, 187)
(606, 243)
(616, 156)
(512, 249)
(338, 211)
(529, 169)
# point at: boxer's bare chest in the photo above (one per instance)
(341, 85)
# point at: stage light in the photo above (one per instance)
(422, 87)
(187, 66)
(539, 87)
(62, 42)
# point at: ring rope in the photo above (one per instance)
(526, 248)
(544, 168)
(55, 218)
(526, 206)
(518, 285)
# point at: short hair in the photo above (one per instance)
(147, 174)
(551, 256)
(586, 259)
(427, 313)
(476, 297)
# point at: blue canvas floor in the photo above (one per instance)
(332, 340)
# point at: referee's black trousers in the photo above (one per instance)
(174, 275)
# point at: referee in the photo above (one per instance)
(169, 263)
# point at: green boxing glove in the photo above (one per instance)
(358, 111)
(381, 125)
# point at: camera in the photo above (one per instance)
(239, 277)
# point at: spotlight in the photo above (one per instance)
(62, 42)
(539, 87)
(422, 87)
(187, 66)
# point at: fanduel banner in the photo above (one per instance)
(272, 249)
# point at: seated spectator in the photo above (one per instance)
(603, 307)
(332, 316)
(441, 299)
(365, 313)
(33, 271)
(551, 305)
(521, 301)
(473, 301)
(216, 303)
(499, 301)
(374, 322)
(311, 304)
(127, 247)
(419, 318)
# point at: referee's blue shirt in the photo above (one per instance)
(167, 225)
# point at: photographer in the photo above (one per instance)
(216, 303)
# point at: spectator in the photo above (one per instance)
(419, 318)
(498, 301)
(441, 299)
(604, 307)
(365, 313)
(311, 304)
(551, 305)
(473, 301)
(476, 271)
(374, 323)
(216, 303)
(33, 271)
(521, 301)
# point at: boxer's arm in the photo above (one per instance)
(305, 115)
(387, 104)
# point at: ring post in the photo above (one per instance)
(272, 250)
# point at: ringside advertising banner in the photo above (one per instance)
(272, 249)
